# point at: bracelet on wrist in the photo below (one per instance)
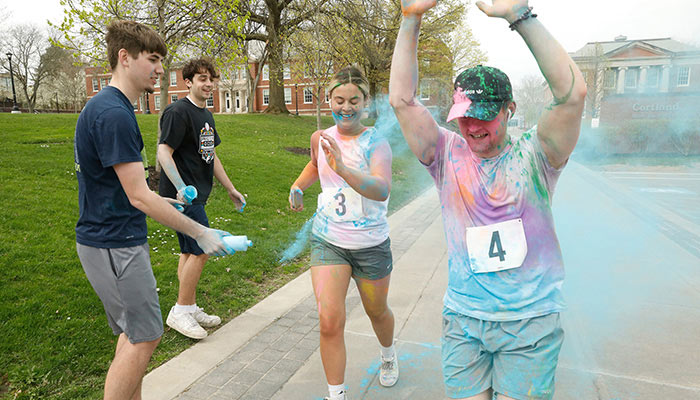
(527, 14)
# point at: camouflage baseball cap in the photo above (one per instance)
(479, 93)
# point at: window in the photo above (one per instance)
(173, 78)
(308, 96)
(103, 82)
(95, 85)
(631, 78)
(173, 98)
(653, 77)
(287, 95)
(683, 76)
(266, 97)
(287, 72)
(210, 101)
(425, 90)
(266, 73)
(328, 99)
(157, 82)
(156, 102)
(610, 78)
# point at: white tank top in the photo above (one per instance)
(344, 218)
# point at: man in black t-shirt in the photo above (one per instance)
(188, 157)
(114, 201)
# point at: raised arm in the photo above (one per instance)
(377, 184)
(418, 126)
(560, 124)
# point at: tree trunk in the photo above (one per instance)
(164, 84)
(275, 46)
(277, 105)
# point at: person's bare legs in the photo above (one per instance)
(126, 372)
(330, 284)
(374, 299)
(189, 269)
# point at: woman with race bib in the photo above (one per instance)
(350, 235)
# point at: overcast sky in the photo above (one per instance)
(573, 23)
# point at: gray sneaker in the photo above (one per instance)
(205, 320)
(185, 324)
(389, 372)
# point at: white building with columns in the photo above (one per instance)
(640, 79)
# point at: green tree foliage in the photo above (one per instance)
(363, 33)
(273, 22)
(189, 28)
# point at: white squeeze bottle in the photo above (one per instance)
(237, 243)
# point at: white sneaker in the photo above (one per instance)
(185, 324)
(389, 372)
(343, 397)
(205, 320)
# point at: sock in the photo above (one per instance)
(189, 309)
(336, 392)
(388, 353)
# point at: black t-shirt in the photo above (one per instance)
(190, 131)
(107, 134)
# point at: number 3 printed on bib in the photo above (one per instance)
(496, 247)
(343, 205)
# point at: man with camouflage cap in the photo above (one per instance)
(501, 332)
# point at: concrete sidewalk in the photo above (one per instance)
(633, 319)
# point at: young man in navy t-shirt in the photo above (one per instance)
(114, 201)
(188, 156)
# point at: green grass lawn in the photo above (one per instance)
(56, 343)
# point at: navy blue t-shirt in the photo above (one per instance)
(107, 134)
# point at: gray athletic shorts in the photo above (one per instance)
(124, 281)
(371, 263)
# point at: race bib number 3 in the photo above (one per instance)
(342, 205)
(496, 247)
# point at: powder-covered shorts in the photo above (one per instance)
(515, 358)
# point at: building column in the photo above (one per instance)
(643, 78)
(665, 78)
(621, 80)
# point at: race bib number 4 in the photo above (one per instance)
(342, 206)
(496, 247)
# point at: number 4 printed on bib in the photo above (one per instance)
(496, 247)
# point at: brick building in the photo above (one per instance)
(231, 95)
(649, 79)
(96, 78)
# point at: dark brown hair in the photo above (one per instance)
(197, 65)
(133, 37)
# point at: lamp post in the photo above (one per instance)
(296, 98)
(15, 109)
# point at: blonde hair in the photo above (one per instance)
(352, 75)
